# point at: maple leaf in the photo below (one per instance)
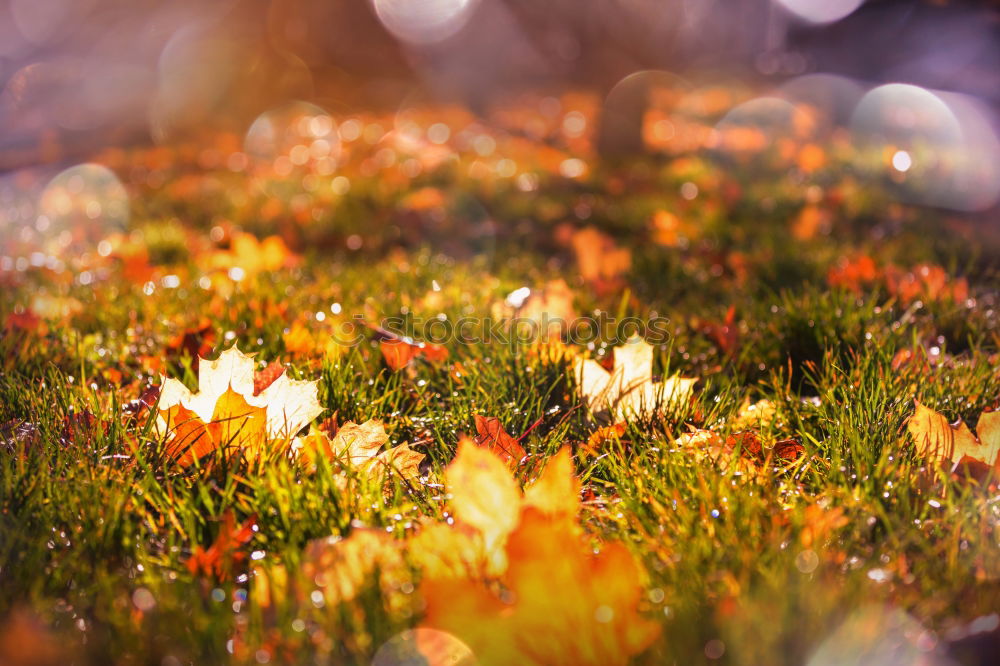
(484, 494)
(556, 492)
(597, 438)
(342, 567)
(228, 413)
(398, 353)
(565, 605)
(938, 441)
(550, 307)
(254, 256)
(219, 559)
(629, 390)
(599, 258)
(358, 446)
(492, 436)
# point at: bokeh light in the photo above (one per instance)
(80, 206)
(821, 11)
(940, 149)
(750, 129)
(298, 131)
(880, 635)
(837, 96)
(424, 21)
(424, 646)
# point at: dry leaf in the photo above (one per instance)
(598, 256)
(556, 493)
(226, 412)
(219, 559)
(253, 256)
(550, 308)
(937, 441)
(398, 353)
(341, 568)
(358, 446)
(565, 605)
(597, 438)
(484, 494)
(629, 390)
(492, 436)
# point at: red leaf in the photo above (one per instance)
(267, 376)
(219, 559)
(492, 436)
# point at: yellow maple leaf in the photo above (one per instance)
(225, 413)
(556, 493)
(938, 441)
(629, 391)
(483, 492)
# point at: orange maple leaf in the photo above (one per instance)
(492, 436)
(219, 559)
(228, 413)
(562, 603)
(398, 353)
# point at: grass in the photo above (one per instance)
(766, 561)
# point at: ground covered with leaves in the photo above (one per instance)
(277, 409)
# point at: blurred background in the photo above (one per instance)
(84, 73)
(902, 94)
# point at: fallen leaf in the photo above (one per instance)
(357, 446)
(219, 559)
(492, 436)
(267, 376)
(629, 390)
(556, 493)
(227, 413)
(854, 274)
(937, 441)
(398, 353)
(788, 450)
(484, 495)
(253, 256)
(598, 257)
(564, 605)
(604, 434)
(551, 309)
(341, 568)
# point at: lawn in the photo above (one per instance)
(451, 439)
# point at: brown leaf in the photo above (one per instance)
(788, 449)
(748, 443)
